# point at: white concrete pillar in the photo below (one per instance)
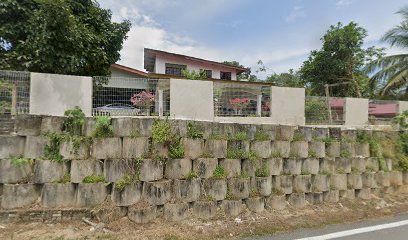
(259, 106)
(355, 112)
(160, 92)
(288, 106)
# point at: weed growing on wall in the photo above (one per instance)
(240, 136)
(65, 179)
(260, 135)
(103, 127)
(236, 153)
(191, 175)
(52, 149)
(93, 179)
(193, 131)
(263, 171)
(161, 131)
(176, 149)
(74, 122)
(345, 154)
(124, 181)
(363, 136)
(21, 161)
(298, 136)
(219, 172)
(312, 153)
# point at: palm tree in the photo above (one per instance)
(391, 72)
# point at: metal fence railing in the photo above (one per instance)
(382, 112)
(323, 111)
(241, 100)
(14, 92)
(117, 96)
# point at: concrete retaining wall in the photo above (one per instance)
(282, 170)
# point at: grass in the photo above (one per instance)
(240, 136)
(191, 175)
(93, 179)
(219, 172)
(260, 135)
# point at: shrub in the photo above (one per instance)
(191, 175)
(21, 161)
(263, 171)
(93, 179)
(176, 149)
(345, 154)
(236, 153)
(193, 131)
(219, 172)
(124, 181)
(103, 127)
(74, 122)
(65, 179)
(261, 135)
(363, 136)
(52, 149)
(240, 136)
(161, 131)
(298, 136)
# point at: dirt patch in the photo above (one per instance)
(247, 224)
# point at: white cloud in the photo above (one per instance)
(296, 13)
(343, 3)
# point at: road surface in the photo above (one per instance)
(395, 228)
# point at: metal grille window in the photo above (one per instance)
(225, 75)
(241, 100)
(175, 69)
(382, 112)
(14, 92)
(208, 73)
(118, 96)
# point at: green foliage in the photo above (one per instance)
(207, 155)
(240, 136)
(298, 136)
(218, 136)
(161, 131)
(176, 148)
(219, 172)
(193, 75)
(260, 135)
(276, 154)
(78, 141)
(390, 73)
(316, 111)
(329, 140)
(345, 154)
(59, 36)
(312, 153)
(236, 153)
(402, 120)
(21, 161)
(403, 163)
(340, 60)
(363, 136)
(324, 172)
(244, 175)
(193, 131)
(74, 122)
(65, 179)
(191, 175)
(124, 181)
(52, 149)
(252, 155)
(103, 127)
(93, 179)
(263, 171)
(277, 191)
(289, 79)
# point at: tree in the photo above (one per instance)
(289, 79)
(59, 36)
(340, 60)
(245, 76)
(390, 73)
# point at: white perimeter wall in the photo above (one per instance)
(356, 112)
(161, 60)
(52, 94)
(288, 106)
(191, 99)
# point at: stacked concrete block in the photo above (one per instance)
(134, 147)
(277, 202)
(52, 124)
(310, 166)
(286, 184)
(255, 204)
(382, 179)
(117, 168)
(11, 146)
(280, 149)
(27, 125)
(263, 185)
(19, 196)
(372, 165)
(275, 166)
(395, 178)
(347, 194)
(122, 127)
(354, 181)
(176, 211)
(239, 187)
(362, 150)
(333, 150)
(131, 194)
(9, 173)
(314, 197)
(232, 167)
(285, 133)
(297, 200)
(34, 146)
(107, 148)
(83, 168)
(58, 195)
(158, 192)
(151, 170)
(306, 132)
(331, 196)
(292, 166)
(320, 183)
(215, 188)
(218, 148)
(318, 149)
(48, 171)
(262, 148)
(368, 180)
(232, 207)
(68, 151)
(91, 194)
(142, 215)
(178, 168)
(343, 165)
(364, 193)
(358, 164)
(338, 181)
(204, 209)
(249, 166)
(187, 190)
(302, 184)
(327, 165)
(193, 148)
(347, 148)
(204, 167)
(299, 149)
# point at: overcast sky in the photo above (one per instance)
(279, 32)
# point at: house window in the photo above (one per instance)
(174, 69)
(225, 75)
(208, 73)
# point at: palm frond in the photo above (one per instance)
(396, 81)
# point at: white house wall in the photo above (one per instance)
(162, 59)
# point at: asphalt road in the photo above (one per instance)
(395, 228)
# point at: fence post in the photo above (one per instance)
(160, 103)
(259, 106)
(14, 100)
